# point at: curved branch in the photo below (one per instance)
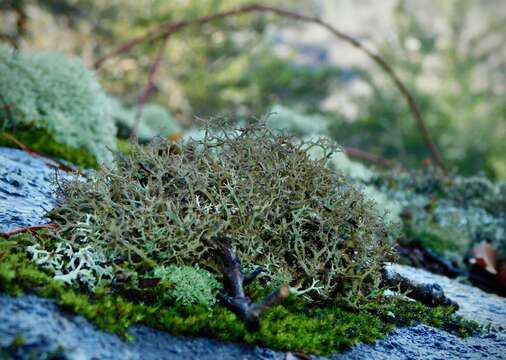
(143, 98)
(169, 28)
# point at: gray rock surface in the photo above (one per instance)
(45, 328)
(474, 304)
(26, 189)
(26, 193)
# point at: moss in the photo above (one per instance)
(294, 326)
(42, 141)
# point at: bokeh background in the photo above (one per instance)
(451, 54)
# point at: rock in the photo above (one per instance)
(45, 330)
(424, 342)
(474, 304)
(26, 189)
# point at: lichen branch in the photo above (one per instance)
(428, 294)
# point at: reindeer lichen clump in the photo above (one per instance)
(252, 190)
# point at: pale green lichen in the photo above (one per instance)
(190, 285)
(47, 90)
(85, 265)
(450, 214)
(282, 118)
(155, 121)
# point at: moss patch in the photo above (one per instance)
(296, 325)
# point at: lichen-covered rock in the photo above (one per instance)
(449, 215)
(59, 95)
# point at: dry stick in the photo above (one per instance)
(172, 27)
(233, 296)
(145, 92)
(59, 165)
(29, 229)
(366, 156)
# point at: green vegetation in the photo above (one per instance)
(191, 285)
(295, 325)
(155, 121)
(447, 214)
(53, 99)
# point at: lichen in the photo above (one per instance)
(448, 214)
(46, 90)
(155, 121)
(190, 284)
(173, 204)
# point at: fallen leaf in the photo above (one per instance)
(485, 257)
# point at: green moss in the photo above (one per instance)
(42, 141)
(295, 326)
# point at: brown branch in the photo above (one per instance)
(149, 85)
(234, 297)
(372, 158)
(29, 229)
(169, 28)
(59, 165)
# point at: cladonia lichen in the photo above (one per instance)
(46, 90)
(171, 204)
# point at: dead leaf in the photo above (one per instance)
(485, 257)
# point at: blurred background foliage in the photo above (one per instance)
(451, 54)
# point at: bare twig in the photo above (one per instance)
(234, 297)
(29, 229)
(169, 28)
(366, 156)
(149, 85)
(57, 163)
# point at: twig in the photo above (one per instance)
(149, 85)
(59, 165)
(29, 229)
(366, 156)
(234, 297)
(428, 294)
(166, 29)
